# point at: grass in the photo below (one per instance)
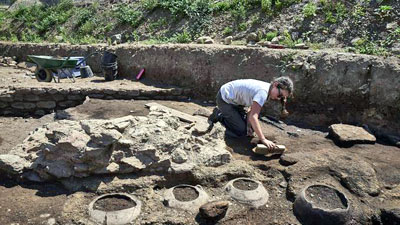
(182, 21)
(309, 10)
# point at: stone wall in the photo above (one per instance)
(39, 101)
(330, 87)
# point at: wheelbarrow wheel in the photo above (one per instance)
(43, 75)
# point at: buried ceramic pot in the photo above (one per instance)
(311, 209)
(255, 197)
(117, 217)
(170, 199)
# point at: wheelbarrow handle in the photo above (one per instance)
(66, 60)
(86, 57)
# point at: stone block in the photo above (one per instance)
(109, 91)
(23, 105)
(40, 112)
(75, 92)
(18, 97)
(64, 91)
(6, 98)
(24, 90)
(38, 91)
(52, 91)
(46, 104)
(75, 97)
(133, 93)
(31, 98)
(94, 95)
(58, 97)
(344, 134)
(142, 98)
(3, 105)
(66, 104)
(18, 105)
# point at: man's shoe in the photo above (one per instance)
(214, 117)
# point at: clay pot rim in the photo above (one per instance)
(248, 179)
(186, 185)
(137, 202)
(325, 209)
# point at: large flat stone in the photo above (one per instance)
(344, 134)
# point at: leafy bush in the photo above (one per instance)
(288, 41)
(150, 5)
(227, 31)
(239, 12)
(242, 27)
(30, 36)
(2, 17)
(266, 6)
(310, 10)
(87, 28)
(334, 12)
(176, 7)
(127, 15)
(365, 46)
(385, 10)
(183, 37)
(221, 6)
(270, 35)
(359, 12)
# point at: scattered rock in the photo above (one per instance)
(347, 135)
(205, 40)
(287, 160)
(301, 46)
(275, 40)
(116, 39)
(228, 40)
(252, 38)
(354, 41)
(51, 221)
(264, 43)
(392, 26)
(214, 210)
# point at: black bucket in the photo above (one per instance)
(109, 66)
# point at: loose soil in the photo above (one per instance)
(114, 203)
(246, 185)
(325, 197)
(185, 194)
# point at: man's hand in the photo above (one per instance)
(269, 144)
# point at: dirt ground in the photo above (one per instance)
(49, 203)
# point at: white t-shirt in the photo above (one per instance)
(244, 92)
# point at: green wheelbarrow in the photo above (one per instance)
(49, 67)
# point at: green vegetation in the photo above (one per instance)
(227, 31)
(271, 35)
(334, 11)
(183, 21)
(242, 27)
(310, 10)
(385, 11)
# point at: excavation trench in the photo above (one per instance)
(133, 145)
